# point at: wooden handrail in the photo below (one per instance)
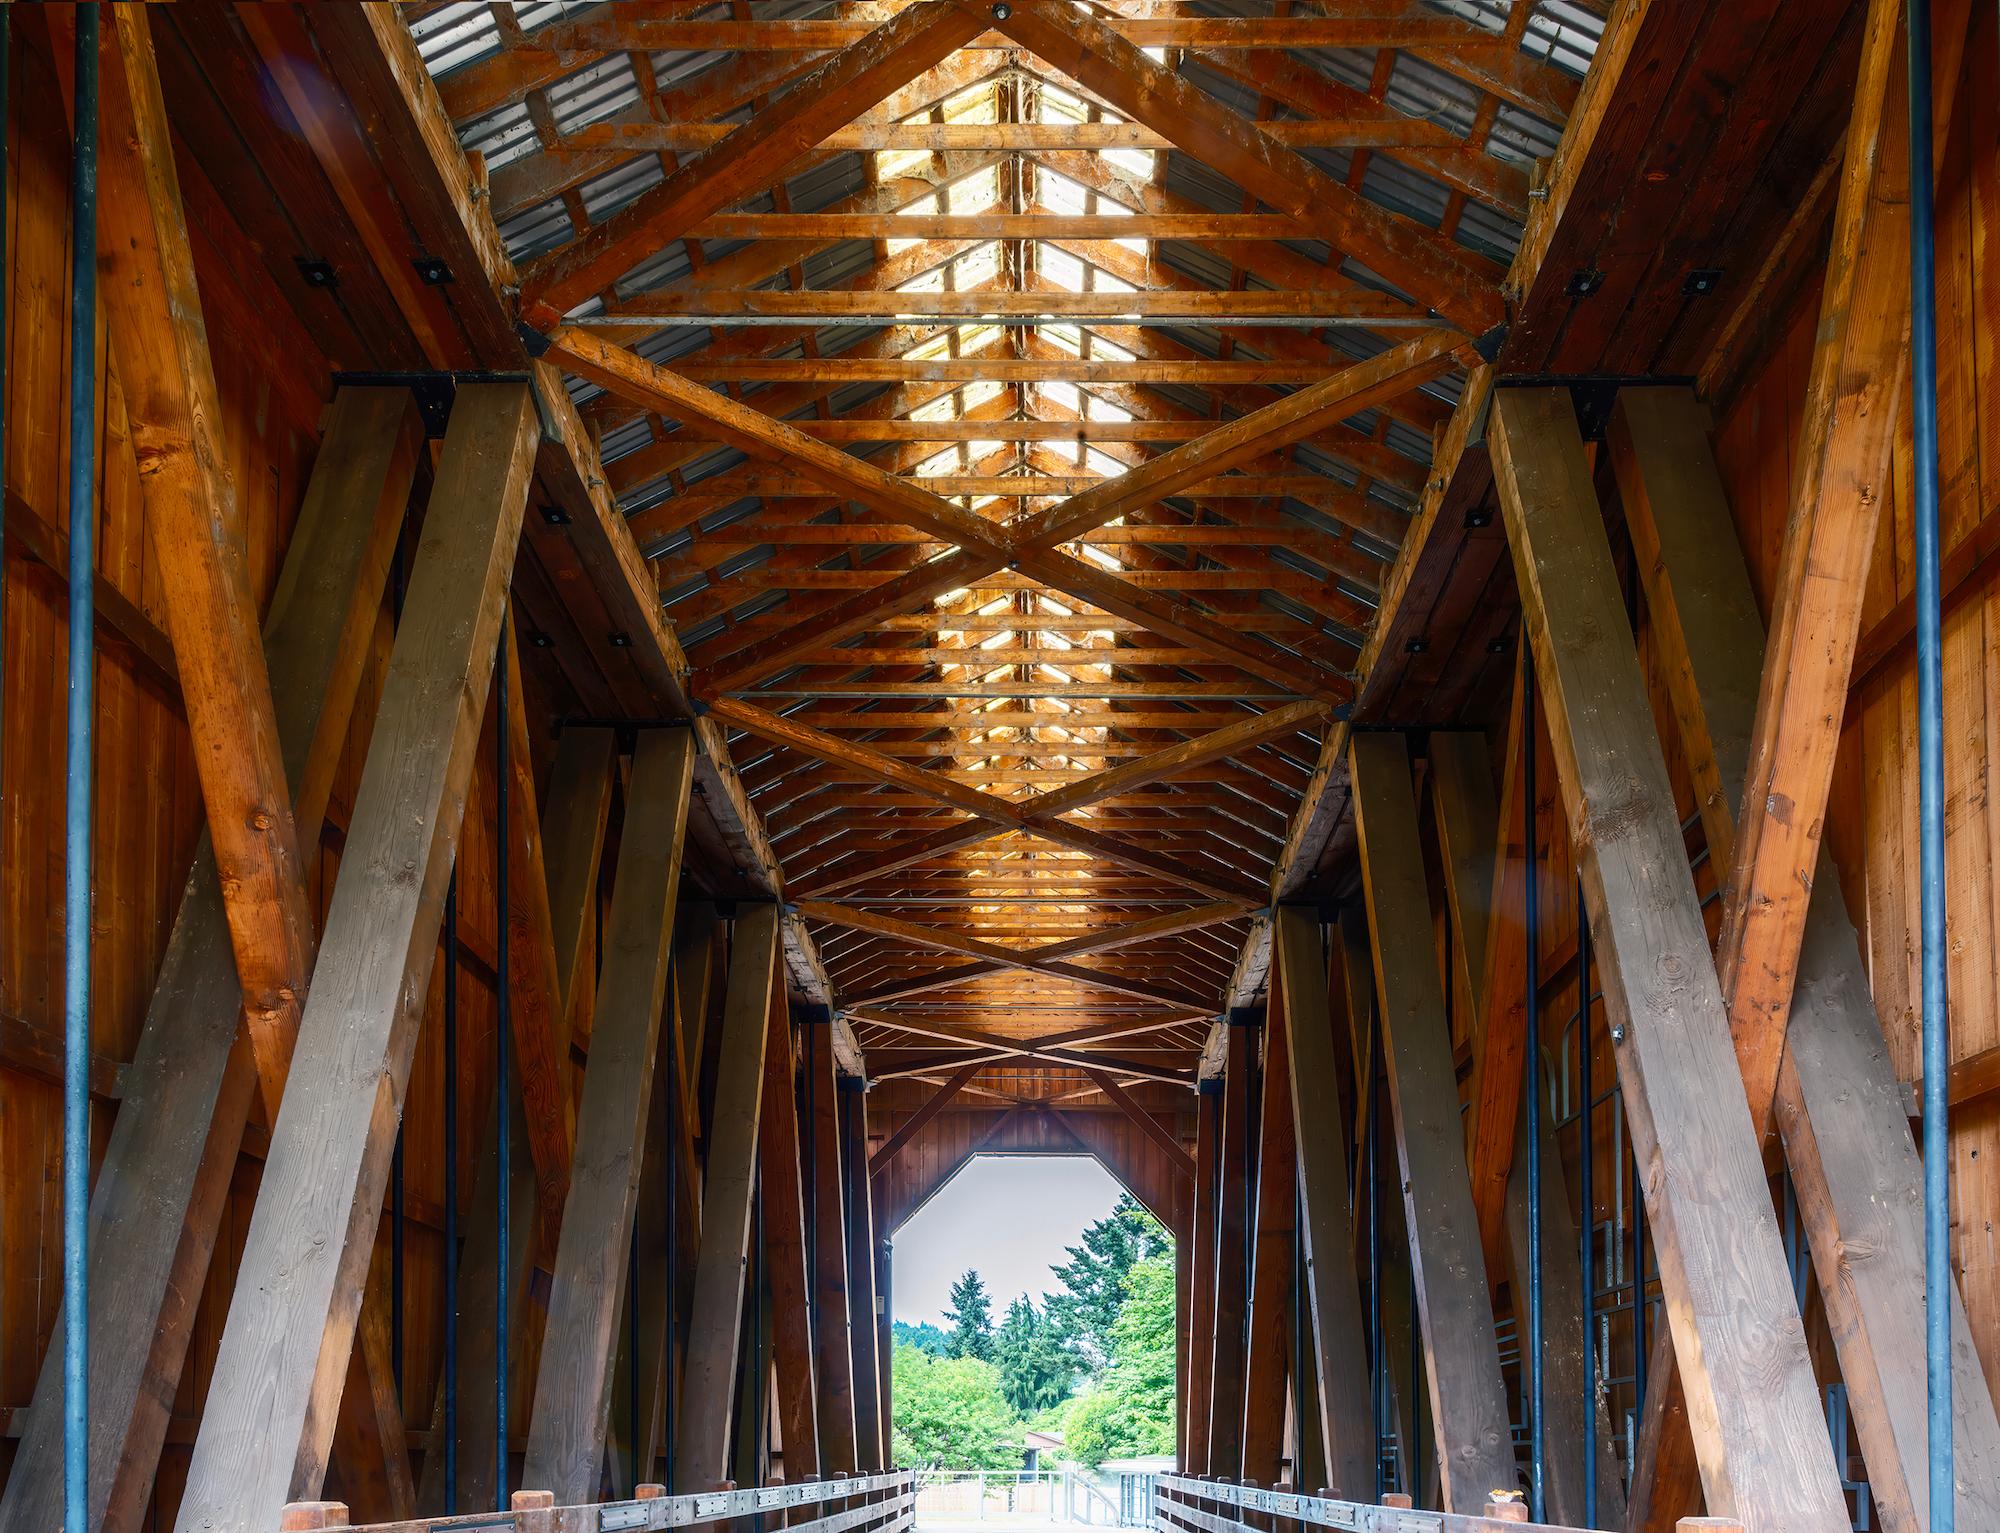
(1394, 1515)
(534, 1512)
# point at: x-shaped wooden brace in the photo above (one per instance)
(1050, 959)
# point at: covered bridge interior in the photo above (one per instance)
(631, 630)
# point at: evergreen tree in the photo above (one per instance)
(1129, 1411)
(925, 1338)
(971, 1317)
(1037, 1370)
(1093, 1279)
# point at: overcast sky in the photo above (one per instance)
(1008, 1216)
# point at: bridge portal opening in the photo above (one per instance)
(1035, 1374)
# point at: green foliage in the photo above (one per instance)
(925, 1337)
(965, 1395)
(1093, 1278)
(971, 1317)
(1129, 1410)
(950, 1414)
(1037, 1370)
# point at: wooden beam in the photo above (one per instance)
(1752, 1398)
(918, 1121)
(1468, 1396)
(1840, 480)
(749, 159)
(1340, 1356)
(535, 989)
(1840, 1108)
(1199, 1385)
(569, 845)
(983, 547)
(787, 1269)
(1269, 1348)
(1441, 275)
(833, 1319)
(162, 1185)
(708, 1382)
(1166, 1142)
(1471, 842)
(868, 1309)
(825, 305)
(1046, 369)
(1232, 1256)
(168, 377)
(275, 1388)
(1352, 390)
(573, 1389)
(1372, 131)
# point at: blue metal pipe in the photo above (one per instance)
(1586, 1256)
(504, 1071)
(451, 1197)
(672, 1273)
(6, 31)
(1377, 1362)
(77, 818)
(1930, 771)
(397, 1212)
(1530, 921)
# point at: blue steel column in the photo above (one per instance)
(1530, 921)
(1930, 772)
(504, 1072)
(77, 826)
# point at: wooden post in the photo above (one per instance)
(276, 1385)
(1340, 1358)
(868, 1320)
(1201, 1308)
(163, 1184)
(1274, 1217)
(571, 840)
(787, 1268)
(1753, 1402)
(833, 1319)
(1232, 1254)
(1468, 1395)
(1470, 836)
(708, 1385)
(573, 1391)
(168, 377)
(1840, 1109)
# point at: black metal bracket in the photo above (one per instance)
(435, 392)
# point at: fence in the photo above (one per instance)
(1039, 1496)
(1179, 1502)
(880, 1503)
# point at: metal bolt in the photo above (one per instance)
(1617, 1032)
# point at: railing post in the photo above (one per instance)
(306, 1516)
(534, 1511)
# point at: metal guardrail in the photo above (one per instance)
(890, 1509)
(1174, 1513)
